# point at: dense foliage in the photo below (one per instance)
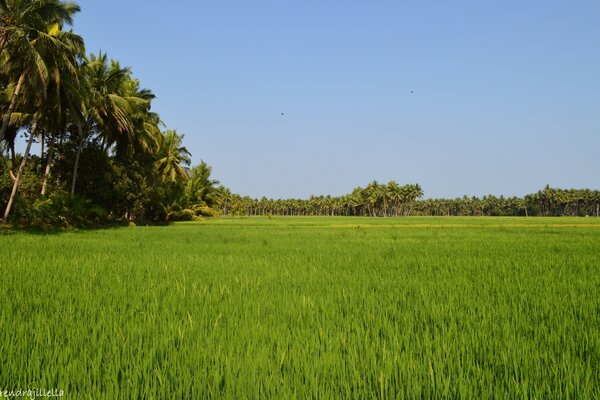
(103, 157)
(387, 200)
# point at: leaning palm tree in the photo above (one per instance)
(39, 54)
(17, 178)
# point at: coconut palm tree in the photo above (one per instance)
(395, 196)
(144, 136)
(17, 179)
(373, 197)
(41, 56)
(27, 29)
(173, 158)
(200, 188)
(114, 109)
(64, 95)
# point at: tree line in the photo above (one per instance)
(392, 200)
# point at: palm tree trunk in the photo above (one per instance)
(79, 148)
(13, 156)
(11, 107)
(19, 174)
(42, 139)
(48, 165)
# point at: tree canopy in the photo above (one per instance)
(104, 155)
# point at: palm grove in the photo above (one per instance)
(104, 158)
(103, 155)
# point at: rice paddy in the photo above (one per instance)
(306, 308)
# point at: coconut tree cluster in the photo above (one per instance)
(376, 200)
(546, 202)
(102, 153)
(392, 200)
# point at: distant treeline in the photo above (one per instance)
(391, 200)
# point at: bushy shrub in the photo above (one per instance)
(61, 210)
(196, 212)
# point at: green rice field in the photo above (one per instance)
(338, 307)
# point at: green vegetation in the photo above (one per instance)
(275, 307)
(392, 200)
(103, 157)
(306, 307)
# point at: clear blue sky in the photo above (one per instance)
(506, 93)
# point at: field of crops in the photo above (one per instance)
(306, 307)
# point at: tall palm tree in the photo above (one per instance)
(43, 53)
(17, 179)
(64, 95)
(224, 198)
(373, 196)
(395, 196)
(144, 136)
(24, 34)
(107, 109)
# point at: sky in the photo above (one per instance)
(462, 97)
